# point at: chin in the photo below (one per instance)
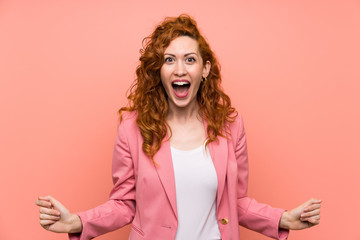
(182, 103)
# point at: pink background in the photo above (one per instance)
(291, 69)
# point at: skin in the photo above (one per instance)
(182, 61)
(55, 217)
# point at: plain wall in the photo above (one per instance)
(291, 69)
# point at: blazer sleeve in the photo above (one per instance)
(119, 210)
(256, 216)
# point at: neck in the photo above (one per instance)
(183, 115)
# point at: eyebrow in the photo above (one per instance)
(173, 55)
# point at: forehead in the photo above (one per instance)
(182, 45)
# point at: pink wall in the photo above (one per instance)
(290, 67)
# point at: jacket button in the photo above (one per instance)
(224, 221)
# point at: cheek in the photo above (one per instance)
(164, 81)
(197, 86)
(197, 74)
(162, 77)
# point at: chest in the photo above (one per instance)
(187, 136)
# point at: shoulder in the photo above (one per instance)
(129, 116)
(128, 121)
(237, 126)
(237, 121)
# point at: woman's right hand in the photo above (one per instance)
(55, 217)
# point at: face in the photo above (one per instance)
(182, 71)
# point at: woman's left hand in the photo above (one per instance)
(304, 216)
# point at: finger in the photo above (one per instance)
(46, 198)
(49, 211)
(45, 223)
(43, 203)
(310, 214)
(313, 220)
(312, 207)
(53, 201)
(313, 201)
(48, 217)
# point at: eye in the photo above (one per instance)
(169, 59)
(191, 59)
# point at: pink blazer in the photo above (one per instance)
(144, 193)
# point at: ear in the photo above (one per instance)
(206, 69)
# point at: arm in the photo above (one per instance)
(113, 214)
(256, 216)
(119, 210)
(272, 222)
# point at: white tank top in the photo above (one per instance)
(196, 188)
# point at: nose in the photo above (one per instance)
(180, 69)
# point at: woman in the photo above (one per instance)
(180, 160)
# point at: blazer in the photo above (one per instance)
(144, 193)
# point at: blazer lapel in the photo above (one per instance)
(165, 170)
(219, 155)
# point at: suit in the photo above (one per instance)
(144, 193)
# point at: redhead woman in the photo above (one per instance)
(180, 166)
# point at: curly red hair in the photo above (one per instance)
(148, 97)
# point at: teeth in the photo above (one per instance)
(180, 83)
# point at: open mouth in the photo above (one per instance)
(181, 88)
